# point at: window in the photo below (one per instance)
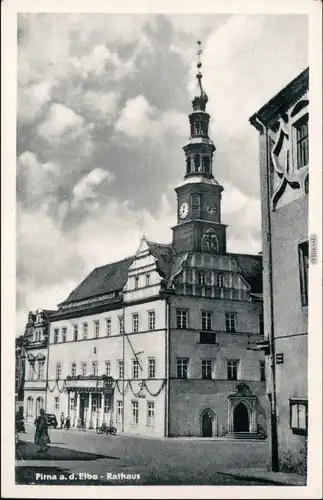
(41, 370)
(73, 369)
(147, 279)
(121, 326)
(206, 320)
(207, 338)
(303, 271)
(72, 404)
(150, 414)
(108, 368)
(206, 369)
(135, 322)
(119, 411)
(56, 403)
(96, 328)
(108, 326)
(182, 318)
(233, 365)
(85, 330)
(58, 371)
(120, 369)
(31, 370)
(261, 324)
(219, 280)
(136, 282)
(75, 332)
(135, 369)
(106, 403)
(262, 366)
(182, 367)
(64, 334)
(83, 369)
(95, 368)
(196, 203)
(151, 320)
(201, 278)
(299, 416)
(230, 322)
(55, 335)
(151, 368)
(135, 412)
(302, 142)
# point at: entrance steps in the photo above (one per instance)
(245, 435)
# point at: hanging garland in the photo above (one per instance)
(141, 387)
(120, 391)
(63, 387)
(51, 390)
(154, 395)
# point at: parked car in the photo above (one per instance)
(51, 420)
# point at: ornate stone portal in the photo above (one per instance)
(243, 397)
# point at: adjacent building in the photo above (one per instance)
(35, 354)
(163, 342)
(284, 172)
(19, 374)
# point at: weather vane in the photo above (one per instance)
(199, 52)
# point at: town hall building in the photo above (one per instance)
(164, 342)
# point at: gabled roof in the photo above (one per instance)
(101, 281)
(165, 256)
(250, 267)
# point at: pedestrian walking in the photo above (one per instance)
(68, 423)
(41, 433)
(62, 419)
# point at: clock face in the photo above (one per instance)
(210, 209)
(183, 210)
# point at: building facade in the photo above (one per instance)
(163, 342)
(20, 374)
(284, 172)
(36, 363)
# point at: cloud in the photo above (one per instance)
(138, 119)
(32, 98)
(85, 189)
(59, 120)
(102, 104)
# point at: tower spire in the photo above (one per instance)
(199, 102)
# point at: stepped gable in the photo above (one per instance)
(251, 269)
(101, 281)
(165, 256)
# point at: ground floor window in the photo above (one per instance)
(135, 412)
(150, 414)
(298, 415)
(119, 411)
(106, 403)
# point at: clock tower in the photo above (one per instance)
(199, 227)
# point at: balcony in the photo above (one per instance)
(90, 382)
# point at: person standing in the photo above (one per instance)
(68, 423)
(41, 434)
(62, 419)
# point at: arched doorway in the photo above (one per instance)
(39, 405)
(240, 418)
(30, 404)
(207, 423)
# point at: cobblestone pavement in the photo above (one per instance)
(122, 459)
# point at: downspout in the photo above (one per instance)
(47, 367)
(167, 338)
(123, 361)
(271, 337)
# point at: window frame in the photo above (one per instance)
(56, 336)
(208, 364)
(64, 334)
(301, 143)
(58, 371)
(207, 321)
(85, 330)
(231, 322)
(83, 368)
(75, 332)
(96, 323)
(108, 368)
(73, 369)
(151, 317)
(262, 368)
(151, 368)
(135, 322)
(150, 414)
(180, 315)
(121, 325)
(182, 365)
(135, 369)
(303, 265)
(302, 431)
(134, 412)
(120, 369)
(231, 364)
(108, 327)
(119, 411)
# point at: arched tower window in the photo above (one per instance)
(188, 164)
(206, 164)
(197, 163)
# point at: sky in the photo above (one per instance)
(102, 115)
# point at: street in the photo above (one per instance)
(77, 457)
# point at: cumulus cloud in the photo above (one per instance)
(59, 120)
(85, 188)
(32, 98)
(138, 119)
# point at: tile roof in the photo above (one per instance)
(102, 280)
(251, 269)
